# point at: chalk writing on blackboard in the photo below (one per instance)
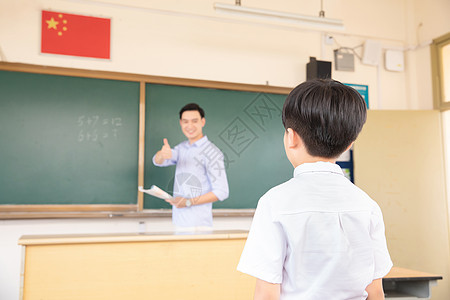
(95, 128)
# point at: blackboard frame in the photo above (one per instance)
(133, 210)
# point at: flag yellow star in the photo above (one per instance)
(52, 23)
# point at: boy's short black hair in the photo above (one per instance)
(326, 114)
(192, 106)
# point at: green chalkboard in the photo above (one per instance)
(68, 140)
(246, 126)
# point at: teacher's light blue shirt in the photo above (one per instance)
(199, 169)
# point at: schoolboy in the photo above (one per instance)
(318, 236)
(200, 176)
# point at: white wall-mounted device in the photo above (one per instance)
(394, 60)
(372, 53)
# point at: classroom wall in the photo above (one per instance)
(188, 39)
(446, 134)
(191, 40)
(426, 21)
(399, 162)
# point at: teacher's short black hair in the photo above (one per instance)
(192, 106)
(326, 114)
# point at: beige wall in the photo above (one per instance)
(446, 133)
(189, 39)
(426, 21)
(399, 162)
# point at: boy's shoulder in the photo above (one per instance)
(275, 194)
(297, 195)
(279, 189)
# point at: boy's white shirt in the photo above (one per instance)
(318, 235)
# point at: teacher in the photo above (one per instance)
(200, 177)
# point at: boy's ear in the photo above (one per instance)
(349, 146)
(293, 139)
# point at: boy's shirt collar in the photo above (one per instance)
(319, 166)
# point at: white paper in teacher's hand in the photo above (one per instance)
(155, 191)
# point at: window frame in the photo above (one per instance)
(437, 72)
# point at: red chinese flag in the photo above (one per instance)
(75, 35)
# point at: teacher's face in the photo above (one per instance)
(192, 125)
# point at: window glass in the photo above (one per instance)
(446, 72)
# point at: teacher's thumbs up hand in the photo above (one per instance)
(164, 153)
